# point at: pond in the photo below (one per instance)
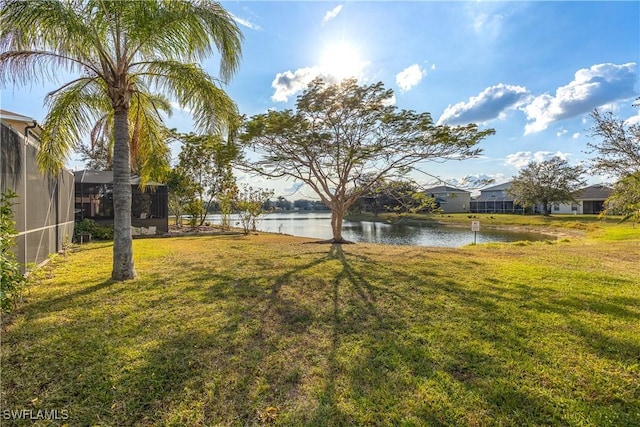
(318, 225)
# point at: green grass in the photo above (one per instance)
(272, 329)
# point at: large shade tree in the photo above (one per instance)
(119, 52)
(342, 133)
(617, 154)
(617, 151)
(547, 182)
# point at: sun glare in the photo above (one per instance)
(341, 61)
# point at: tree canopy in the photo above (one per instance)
(122, 53)
(342, 133)
(206, 161)
(617, 153)
(546, 182)
(625, 198)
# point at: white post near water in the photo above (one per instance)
(475, 227)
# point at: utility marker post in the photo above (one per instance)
(475, 227)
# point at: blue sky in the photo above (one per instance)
(531, 70)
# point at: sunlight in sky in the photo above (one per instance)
(341, 60)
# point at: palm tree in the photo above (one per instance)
(149, 152)
(117, 51)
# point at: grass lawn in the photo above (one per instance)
(269, 329)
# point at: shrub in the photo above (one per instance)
(12, 281)
(97, 231)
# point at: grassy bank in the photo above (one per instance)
(235, 330)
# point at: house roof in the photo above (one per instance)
(595, 192)
(9, 115)
(498, 187)
(99, 177)
(445, 189)
(14, 119)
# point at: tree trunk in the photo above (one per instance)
(122, 243)
(337, 215)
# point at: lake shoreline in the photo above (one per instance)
(552, 231)
(549, 228)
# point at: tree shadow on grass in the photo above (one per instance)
(64, 300)
(418, 369)
(344, 348)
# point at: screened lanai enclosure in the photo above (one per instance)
(94, 200)
(43, 208)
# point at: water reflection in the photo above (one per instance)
(318, 225)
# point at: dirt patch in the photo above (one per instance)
(559, 233)
(175, 230)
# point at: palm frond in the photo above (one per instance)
(184, 31)
(72, 112)
(213, 111)
(43, 37)
(147, 135)
(150, 153)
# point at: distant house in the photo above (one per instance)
(450, 199)
(94, 200)
(592, 198)
(495, 200)
(589, 200)
(43, 210)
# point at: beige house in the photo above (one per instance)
(450, 199)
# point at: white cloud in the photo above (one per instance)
(331, 14)
(293, 188)
(289, 83)
(561, 132)
(576, 135)
(489, 25)
(490, 104)
(390, 101)
(523, 158)
(246, 23)
(593, 87)
(180, 108)
(433, 66)
(633, 120)
(340, 62)
(409, 77)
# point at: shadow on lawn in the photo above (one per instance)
(387, 381)
(365, 344)
(358, 349)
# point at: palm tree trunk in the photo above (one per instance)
(122, 243)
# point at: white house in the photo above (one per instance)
(589, 200)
